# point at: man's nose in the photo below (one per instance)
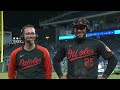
(79, 30)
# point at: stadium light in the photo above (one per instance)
(117, 32)
(109, 32)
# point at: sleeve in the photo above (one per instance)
(12, 66)
(112, 62)
(105, 51)
(107, 54)
(47, 65)
(60, 54)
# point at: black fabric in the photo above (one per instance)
(83, 58)
(112, 61)
(30, 64)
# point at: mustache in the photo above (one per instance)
(77, 32)
(28, 41)
(31, 38)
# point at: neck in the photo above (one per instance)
(79, 40)
(29, 46)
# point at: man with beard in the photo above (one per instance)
(30, 61)
(83, 55)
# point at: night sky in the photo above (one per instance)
(15, 20)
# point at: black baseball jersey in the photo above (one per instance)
(34, 64)
(83, 57)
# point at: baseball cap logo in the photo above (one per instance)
(81, 22)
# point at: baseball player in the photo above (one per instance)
(30, 61)
(83, 55)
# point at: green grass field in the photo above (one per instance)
(5, 75)
(54, 76)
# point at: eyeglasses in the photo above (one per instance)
(30, 33)
(80, 27)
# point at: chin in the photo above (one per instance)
(80, 36)
(29, 41)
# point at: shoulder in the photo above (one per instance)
(94, 40)
(16, 50)
(68, 41)
(41, 48)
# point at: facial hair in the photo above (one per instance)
(84, 35)
(28, 41)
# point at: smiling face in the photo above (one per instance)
(80, 31)
(29, 35)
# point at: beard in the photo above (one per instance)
(80, 33)
(28, 41)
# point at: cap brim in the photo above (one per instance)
(79, 25)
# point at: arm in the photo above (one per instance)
(107, 54)
(47, 65)
(57, 67)
(112, 61)
(12, 67)
(56, 61)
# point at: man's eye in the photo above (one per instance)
(29, 33)
(32, 33)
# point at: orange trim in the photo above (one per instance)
(12, 64)
(47, 62)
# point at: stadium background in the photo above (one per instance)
(51, 25)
